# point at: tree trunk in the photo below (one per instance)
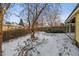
(33, 32)
(1, 32)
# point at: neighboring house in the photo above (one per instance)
(11, 27)
(72, 22)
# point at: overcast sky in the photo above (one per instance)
(66, 9)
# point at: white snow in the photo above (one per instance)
(54, 44)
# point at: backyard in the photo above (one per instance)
(47, 44)
(39, 29)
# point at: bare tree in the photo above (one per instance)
(38, 11)
(53, 14)
(36, 16)
(3, 8)
(34, 12)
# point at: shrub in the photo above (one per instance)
(55, 31)
(11, 34)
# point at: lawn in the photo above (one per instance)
(47, 44)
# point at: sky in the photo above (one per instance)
(66, 9)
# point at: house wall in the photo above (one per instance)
(77, 27)
(70, 27)
(11, 27)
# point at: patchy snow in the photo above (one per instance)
(9, 47)
(53, 44)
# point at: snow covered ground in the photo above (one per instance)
(53, 44)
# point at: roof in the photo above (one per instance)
(73, 11)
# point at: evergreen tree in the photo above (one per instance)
(21, 22)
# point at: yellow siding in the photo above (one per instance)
(5, 28)
(77, 27)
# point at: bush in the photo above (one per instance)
(55, 31)
(11, 34)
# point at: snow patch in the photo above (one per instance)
(51, 44)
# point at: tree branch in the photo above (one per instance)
(39, 13)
